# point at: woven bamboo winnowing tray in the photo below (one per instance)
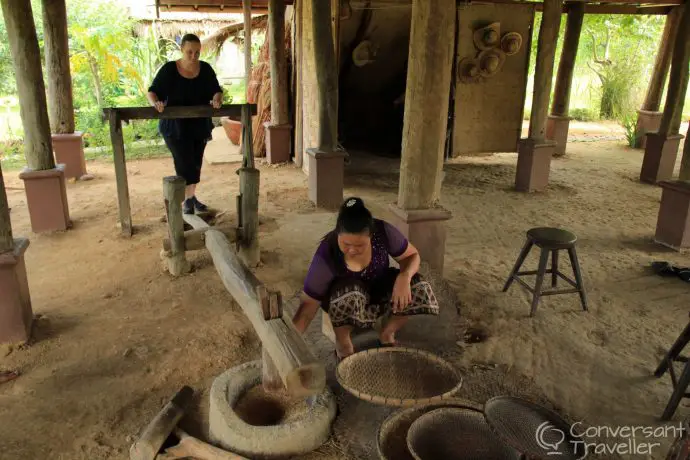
(456, 433)
(398, 376)
(392, 436)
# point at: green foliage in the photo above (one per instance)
(629, 123)
(583, 114)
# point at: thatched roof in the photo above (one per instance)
(170, 28)
(214, 42)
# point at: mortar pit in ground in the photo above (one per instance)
(257, 407)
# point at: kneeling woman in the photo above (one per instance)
(351, 279)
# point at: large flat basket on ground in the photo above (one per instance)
(398, 376)
(451, 433)
(531, 429)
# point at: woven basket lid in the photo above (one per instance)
(392, 437)
(532, 429)
(398, 376)
(450, 433)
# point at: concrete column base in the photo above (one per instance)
(278, 143)
(46, 197)
(557, 131)
(69, 150)
(16, 314)
(660, 155)
(673, 221)
(326, 178)
(533, 165)
(647, 122)
(426, 229)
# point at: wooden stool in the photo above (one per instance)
(681, 384)
(550, 240)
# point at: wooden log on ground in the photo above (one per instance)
(232, 111)
(173, 192)
(60, 105)
(6, 239)
(543, 72)
(300, 371)
(118, 143)
(678, 81)
(28, 73)
(191, 447)
(195, 239)
(195, 221)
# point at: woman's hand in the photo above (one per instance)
(217, 100)
(158, 105)
(402, 294)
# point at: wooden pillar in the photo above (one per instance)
(558, 122)
(661, 149)
(6, 240)
(118, 143)
(248, 211)
(535, 152)
(43, 182)
(247, 10)
(173, 195)
(278, 130)
(299, 90)
(649, 117)
(431, 52)
(685, 161)
(67, 144)
(326, 161)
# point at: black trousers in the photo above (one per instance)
(188, 154)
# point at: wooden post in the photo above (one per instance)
(432, 38)
(678, 81)
(326, 75)
(61, 108)
(279, 77)
(247, 10)
(299, 89)
(249, 197)
(657, 82)
(543, 73)
(684, 173)
(301, 373)
(173, 193)
(564, 78)
(26, 58)
(120, 172)
(6, 239)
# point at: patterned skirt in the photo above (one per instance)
(352, 302)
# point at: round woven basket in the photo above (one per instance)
(398, 376)
(392, 436)
(456, 433)
(532, 429)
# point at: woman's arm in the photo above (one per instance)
(305, 312)
(409, 261)
(158, 88)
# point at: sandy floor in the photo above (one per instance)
(117, 336)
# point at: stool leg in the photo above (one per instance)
(554, 268)
(678, 393)
(578, 276)
(543, 260)
(675, 350)
(518, 263)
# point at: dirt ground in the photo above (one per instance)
(116, 336)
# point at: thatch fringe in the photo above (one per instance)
(215, 41)
(170, 28)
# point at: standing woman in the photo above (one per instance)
(187, 81)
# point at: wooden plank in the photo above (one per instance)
(173, 193)
(195, 239)
(118, 143)
(301, 373)
(6, 239)
(233, 111)
(195, 221)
